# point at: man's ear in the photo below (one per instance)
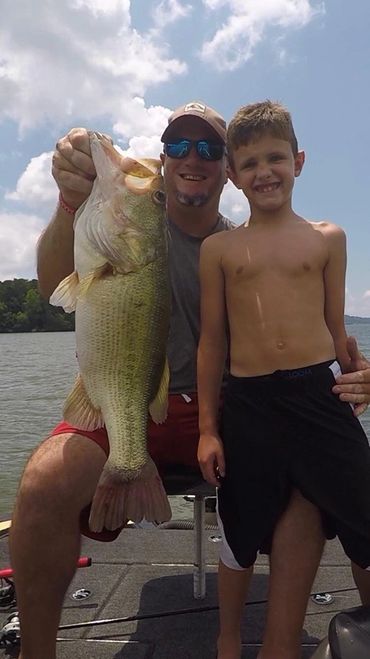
(299, 162)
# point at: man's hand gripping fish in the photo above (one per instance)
(120, 292)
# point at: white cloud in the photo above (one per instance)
(76, 58)
(358, 304)
(102, 6)
(169, 11)
(18, 237)
(137, 120)
(233, 204)
(36, 184)
(235, 41)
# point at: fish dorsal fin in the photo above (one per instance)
(79, 411)
(65, 294)
(158, 406)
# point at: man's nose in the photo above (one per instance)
(193, 153)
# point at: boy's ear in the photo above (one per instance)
(299, 162)
(232, 176)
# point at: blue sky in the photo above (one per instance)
(120, 67)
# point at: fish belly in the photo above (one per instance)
(121, 335)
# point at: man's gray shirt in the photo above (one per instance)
(185, 312)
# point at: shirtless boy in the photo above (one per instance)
(276, 285)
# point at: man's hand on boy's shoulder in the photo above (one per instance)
(354, 387)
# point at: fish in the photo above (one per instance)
(120, 293)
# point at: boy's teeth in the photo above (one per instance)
(191, 177)
(267, 188)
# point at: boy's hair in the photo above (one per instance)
(254, 120)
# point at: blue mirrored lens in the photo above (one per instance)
(205, 149)
(178, 149)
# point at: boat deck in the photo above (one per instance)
(146, 576)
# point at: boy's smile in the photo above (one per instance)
(265, 170)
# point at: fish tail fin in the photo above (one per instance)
(116, 501)
(158, 406)
(78, 409)
(65, 294)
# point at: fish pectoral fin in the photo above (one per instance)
(65, 294)
(86, 281)
(79, 411)
(158, 406)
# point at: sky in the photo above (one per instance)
(120, 67)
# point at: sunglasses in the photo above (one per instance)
(205, 149)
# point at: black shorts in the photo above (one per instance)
(288, 430)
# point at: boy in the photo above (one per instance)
(276, 286)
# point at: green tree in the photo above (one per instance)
(22, 309)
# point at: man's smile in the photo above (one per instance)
(193, 177)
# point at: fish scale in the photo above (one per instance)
(103, 328)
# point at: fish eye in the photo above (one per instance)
(159, 197)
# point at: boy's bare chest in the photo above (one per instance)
(287, 256)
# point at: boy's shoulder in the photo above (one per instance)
(222, 237)
(326, 227)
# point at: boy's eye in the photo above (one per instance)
(276, 156)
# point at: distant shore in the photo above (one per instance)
(23, 310)
(351, 320)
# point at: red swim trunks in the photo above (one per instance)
(174, 442)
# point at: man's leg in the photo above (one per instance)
(232, 592)
(296, 551)
(58, 482)
(362, 581)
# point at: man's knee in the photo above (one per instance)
(64, 467)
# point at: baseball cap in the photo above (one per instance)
(202, 111)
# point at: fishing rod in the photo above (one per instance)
(10, 634)
(7, 591)
(7, 572)
(177, 612)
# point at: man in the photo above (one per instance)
(60, 479)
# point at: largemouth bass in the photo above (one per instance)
(120, 292)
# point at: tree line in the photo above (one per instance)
(22, 309)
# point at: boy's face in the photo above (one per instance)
(265, 170)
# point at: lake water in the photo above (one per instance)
(37, 371)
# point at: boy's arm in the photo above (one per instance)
(334, 282)
(211, 359)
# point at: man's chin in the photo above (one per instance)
(192, 200)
